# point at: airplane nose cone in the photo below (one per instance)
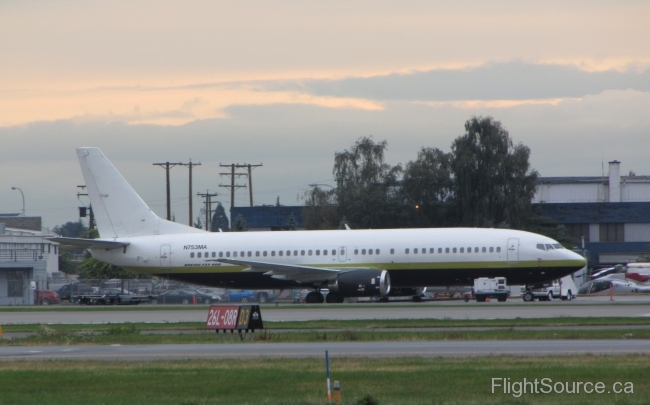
(577, 259)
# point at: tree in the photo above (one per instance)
(427, 187)
(219, 219)
(71, 229)
(366, 186)
(94, 269)
(493, 183)
(320, 210)
(240, 224)
(292, 224)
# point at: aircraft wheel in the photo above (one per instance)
(528, 296)
(416, 298)
(332, 298)
(314, 297)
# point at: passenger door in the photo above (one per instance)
(343, 254)
(513, 251)
(165, 256)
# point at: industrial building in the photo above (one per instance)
(610, 213)
(26, 258)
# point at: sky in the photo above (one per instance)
(289, 83)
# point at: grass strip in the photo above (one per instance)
(302, 381)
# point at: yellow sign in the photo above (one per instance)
(0, 331)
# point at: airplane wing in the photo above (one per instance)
(91, 243)
(301, 274)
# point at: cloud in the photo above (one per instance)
(494, 81)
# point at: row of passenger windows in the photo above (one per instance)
(325, 252)
(454, 250)
(265, 253)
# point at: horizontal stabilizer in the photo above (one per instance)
(90, 243)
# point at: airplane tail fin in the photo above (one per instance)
(119, 211)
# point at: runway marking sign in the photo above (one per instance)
(240, 317)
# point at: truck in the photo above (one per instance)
(485, 287)
(563, 288)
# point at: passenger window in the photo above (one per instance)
(356, 251)
(281, 252)
(415, 251)
(446, 250)
(462, 250)
(227, 254)
(234, 254)
(469, 250)
(288, 253)
(369, 251)
(257, 253)
(264, 253)
(250, 253)
(309, 252)
(302, 253)
(491, 249)
(243, 254)
(439, 250)
(392, 251)
(475, 250)
(406, 250)
(432, 250)
(376, 251)
(198, 255)
(363, 251)
(317, 252)
(220, 254)
(192, 255)
(272, 252)
(333, 252)
(295, 253)
(483, 249)
(498, 249)
(454, 250)
(324, 252)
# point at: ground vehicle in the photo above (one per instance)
(184, 297)
(241, 296)
(220, 292)
(110, 296)
(563, 288)
(485, 287)
(72, 291)
(602, 287)
(46, 297)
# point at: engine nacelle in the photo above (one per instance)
(361, 283)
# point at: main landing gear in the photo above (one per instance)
(314, 297)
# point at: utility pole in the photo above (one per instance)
(233, 186)
(208, 207)
(189, 166)
(91, 221)
(168, 166)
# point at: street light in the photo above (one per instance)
(23, 195)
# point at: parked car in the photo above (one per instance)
(220, 292)
(69, 291)
(184, 297)
(250, 296)
(46, 297)
(602, 287)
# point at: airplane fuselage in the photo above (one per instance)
(413, 257)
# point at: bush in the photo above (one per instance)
(367, 400)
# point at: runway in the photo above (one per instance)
(591, 307)
(336, 349)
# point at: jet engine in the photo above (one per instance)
(361, 283)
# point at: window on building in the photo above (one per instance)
(612, 232)
(15, 283)
(577, 231)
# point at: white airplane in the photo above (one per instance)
(350, 263)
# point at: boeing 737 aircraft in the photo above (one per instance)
(350, 263)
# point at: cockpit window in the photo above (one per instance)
(540, 246)
(558, 246)
(549, 246)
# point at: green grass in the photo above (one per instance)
(302, 381)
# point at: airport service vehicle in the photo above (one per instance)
(184, 297)
(349, 263)
(485, 287)
(563, 288)
(46, 297)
